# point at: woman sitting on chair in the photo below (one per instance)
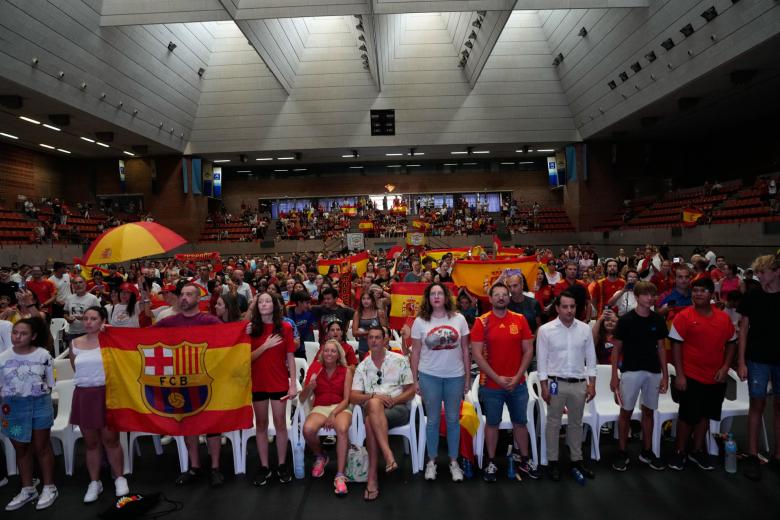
(330, 381)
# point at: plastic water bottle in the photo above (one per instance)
(510, 464)
(468, 468)
(298, 462)
(578, 476)
(731, 454)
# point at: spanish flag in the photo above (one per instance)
(469, 424)
(366, 226)
(691, 216)
(457, 253)
(420, 225)
(349, 211)
(178, 381)
(472, 274)
(405, 299)
(360, 261)
(87, 270)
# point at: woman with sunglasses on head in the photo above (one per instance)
(440, 364)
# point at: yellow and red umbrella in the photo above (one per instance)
(131, 241)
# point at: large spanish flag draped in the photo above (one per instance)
(691, 216)
(178, 381)
(360, 261)
(472, 274)
(405, 298)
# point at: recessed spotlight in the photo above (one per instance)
(281, 170)
(636, 67)
(87, 139)
(9, 136)
(264, 159)
(650, 56)
(128, 153)
(623, 76)
(481, 151)
(221, 160)
(507, 163)
(63, 151)
(104, 145)
(710, 14)
(612, 85)
(687, 30)
(50, 147)
(458, 153)
(29, 120)
(285, 158)
(415, 154)
(667, 44)
(348, 156)
(51, 127)
(393, 154)
(583, 32)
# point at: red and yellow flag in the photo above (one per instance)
(178, 381)
(472, 274)
(421, 225)
(457, 253)
(405, 298)
(366, 226)
(691, 216)
(349, 211)
(359, 261)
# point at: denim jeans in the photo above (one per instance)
(436, 390)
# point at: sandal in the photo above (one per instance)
(391, 467)
(340, 485)
(369, 495)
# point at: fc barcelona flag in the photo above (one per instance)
(405, 299)
(178, 381)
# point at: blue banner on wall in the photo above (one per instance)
(197, 181)
(217, 182)
(184, 173)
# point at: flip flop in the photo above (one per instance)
(369, 495)
(391, 467)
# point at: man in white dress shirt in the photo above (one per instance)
(566, 362)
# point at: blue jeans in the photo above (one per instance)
(436, 390)
(759, 376)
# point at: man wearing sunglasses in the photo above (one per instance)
(383, 385)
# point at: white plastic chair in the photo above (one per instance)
(350, 337)
(357, 432)
(312, 347)
(414, 437)
(353, 343)
(316, 335)
(63, 370)
(604, 408)
(62, 430)
(132, 449)
(666, 411)
(733, 408)
(10, 455)
(58, 327)
(396, 336)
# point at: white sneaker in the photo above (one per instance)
(121, 487)
(430, 470)
(94, 490)
(455, 471)
(48, 495)
(3, 481)
(27, 494)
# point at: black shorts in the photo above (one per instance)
(700, 401)
(264, 396)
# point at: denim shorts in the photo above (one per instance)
(22, 415)
(759, 375)
(493, 400)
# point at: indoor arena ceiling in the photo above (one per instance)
(242, 80)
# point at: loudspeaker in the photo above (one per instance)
(265, 244)
(676, 232)
(772, 228)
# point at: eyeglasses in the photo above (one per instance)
(379, 377)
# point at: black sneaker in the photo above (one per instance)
(283, 472)
(752, 468)
(188, 477)
(585, 470)
(555, 471)
(262, 476)
(216, 478)
(677, 462)
(621, 461)
(490, 472)
(649, 458)
(527, 468)
(701, 459)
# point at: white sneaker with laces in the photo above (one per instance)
(455, 471)
(121, 487)
(94, 490)
(27, 494)
(430, 470)
(48, 495)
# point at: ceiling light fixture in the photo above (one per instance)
(507, 163)
(87, 139)
(583, 32)
(612, 85)
(668, 44)
(393, 154)
(469, 164)
(244, 171)
(285, 158)
(171, 46)
(710, 14)
(29, 120)
(50, 147)
(281, 170)
(687, 30)
(221, 160)
(412, 165)
(458, 153)
(264, 159)
(63, 151)
(51, 127)
(9, 136)
(299, 170)
(469, 44)
(131, 154)
(393, 166)
(477, 23)
(355, 167)
(104, 145)
(545, 150)
(481, 151)
(450, 164)
(650, 56)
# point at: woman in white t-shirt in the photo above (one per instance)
(126, 311)
(440, 361)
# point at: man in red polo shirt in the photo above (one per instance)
(502, 346)
(703, 345)
(602, 290)
(577, 288)
(43, 288)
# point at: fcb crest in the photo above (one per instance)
(174, 380)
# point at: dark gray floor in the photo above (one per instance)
(637, 494)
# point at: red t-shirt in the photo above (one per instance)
(329, 390)
(603, 290)
(269, 371)
(503, 348)
(663, 283)
(349, 355)
(44, 289)
(703, 341)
